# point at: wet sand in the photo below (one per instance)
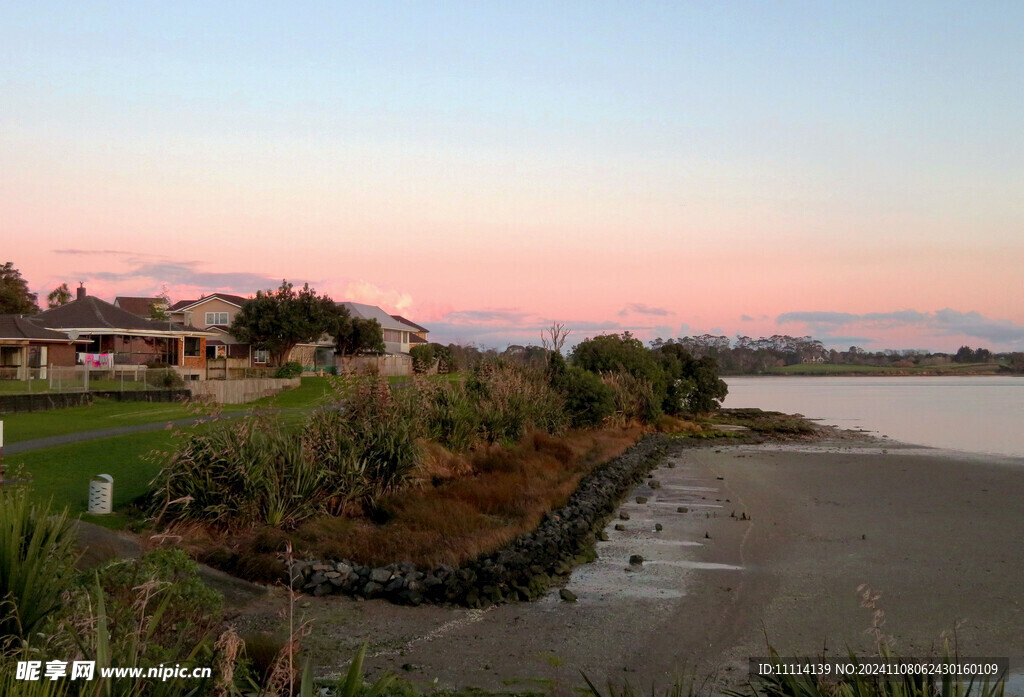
(937, 534)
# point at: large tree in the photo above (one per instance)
(354, 335)
(61, 295)
(15, 298)
(279, 320)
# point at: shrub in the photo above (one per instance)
(693, 385)
(164, 378)
(422, 357)
(191, 611)
(37, 559)
(588, 400)
(615, 353)
(291, 369)
(445, 358)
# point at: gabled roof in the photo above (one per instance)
(385, 320)
(95, 314)
(137, 306)
(236, 300)
(19, 328)
(410, 323)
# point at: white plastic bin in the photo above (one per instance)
(101, 494)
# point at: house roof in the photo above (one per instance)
(19, 328)
(416, 339)
(137, 306)
(385, 320)
(410, 323)
(236, 300)
(91, 313)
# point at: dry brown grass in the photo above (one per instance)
(672, 424)
(461, 506)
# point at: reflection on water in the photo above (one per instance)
(973, 414)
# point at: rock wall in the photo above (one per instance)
(523, 570)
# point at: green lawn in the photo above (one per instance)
(106, 413)
(63, 473)
(103, 413)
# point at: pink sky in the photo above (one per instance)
(487, 172)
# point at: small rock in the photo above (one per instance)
(620, 527)
(380, 575)
(623, 515)
(654, 484)
(707, 536)
(682, 509)
(635, 560)
(658, 527)
(720, 478)
(567, 595)
(603, 536)
(641, 499)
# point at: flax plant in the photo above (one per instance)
(37, 559)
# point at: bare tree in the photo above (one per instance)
(553, 338)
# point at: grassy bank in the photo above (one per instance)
(456, 507)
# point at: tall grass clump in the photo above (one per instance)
(448, 415)
(512, 400)
(633, 397)
(37, 556)
(247, 472)
(366, 443)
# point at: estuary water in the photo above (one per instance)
(983, 415)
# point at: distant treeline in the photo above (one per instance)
(747, 355)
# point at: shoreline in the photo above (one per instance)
(935, 535)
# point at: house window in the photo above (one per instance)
(393, 336)
(218, 319)
(191, 347)
(261, 356)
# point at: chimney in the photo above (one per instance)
(80, 294)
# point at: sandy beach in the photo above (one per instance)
(935, 533)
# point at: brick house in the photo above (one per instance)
(130, 339)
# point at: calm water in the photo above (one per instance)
(972, 414)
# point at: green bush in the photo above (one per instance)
(37, 556)
(588, 400)
(615, 353)
(191, 614)
(446, 362)
(422, 357)
(164, 378)
(291, 369)
(693, 385)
